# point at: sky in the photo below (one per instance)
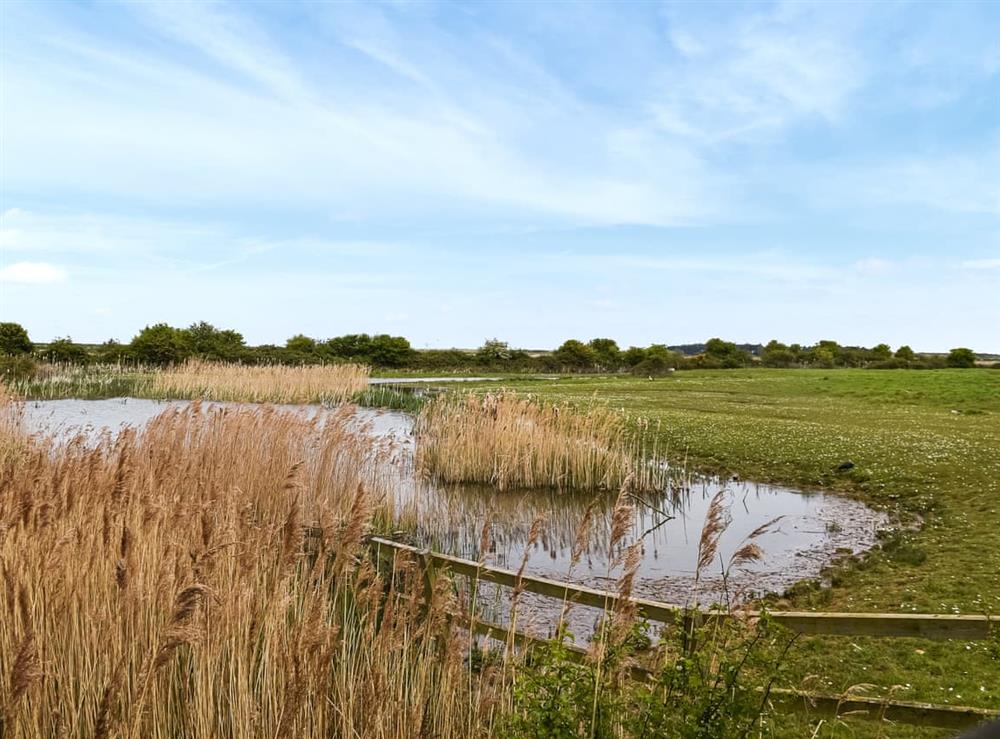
(650, 171)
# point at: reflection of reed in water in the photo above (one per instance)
(451, 519)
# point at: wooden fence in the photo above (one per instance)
(893, 625)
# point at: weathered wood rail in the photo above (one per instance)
(918, 625)
(892, 625)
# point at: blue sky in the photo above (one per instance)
(653, 172)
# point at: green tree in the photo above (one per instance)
(905, 353)
(14, 339)
(961, 357)
(822, 356)
(880, 353)
(608, 355)
(390, 351)
(160, 344)
(725, 354)
(663, 356)
(111, 352)
(776, 354)
(575, 355)
(356, 347)
(209, 342)
(64, 350)
(633, 356)
(826, 353)
(852, 356)
(493, 351)
(301, 344)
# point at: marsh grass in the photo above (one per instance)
(390, 397)
(515, 441)
(208, 576)
(86, 382)
(328, 383)
(159, 583)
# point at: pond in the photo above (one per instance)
(809, 529)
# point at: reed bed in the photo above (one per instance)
(62, 380)
(514, 441)
(206, 577)
(329, 383)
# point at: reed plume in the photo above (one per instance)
(513, 441)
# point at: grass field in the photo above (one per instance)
(926, 446)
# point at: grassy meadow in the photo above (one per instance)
(926, 447)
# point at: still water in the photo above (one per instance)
(808, 529)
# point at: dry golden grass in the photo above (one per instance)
(161, 584)
(515, 441)
(329, 383)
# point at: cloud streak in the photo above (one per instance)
(32, 273)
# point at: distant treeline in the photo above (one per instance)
(162, 345)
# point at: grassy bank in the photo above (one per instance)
(925, 445)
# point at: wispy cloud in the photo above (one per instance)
(981, 264)
(32, 273)
(484, 157)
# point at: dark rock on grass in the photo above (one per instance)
(845, 466)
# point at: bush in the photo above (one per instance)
(655, 366)
(14, 339)
(160, 344)
(961, 357)
(64, 351)
(13, 369)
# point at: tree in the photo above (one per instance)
(575, 354)
(207, 341)
(961, 357)
(14, 339)
(64, 350)
(633, 356)
(301, 344)
(111, 352)
(905, 353)
(776, 354)
(826, 353)
(822, 356)
(357, 347)
(493, 351)
(881, 353)
(390, 351)
(663, 355)
(160, 344)
(608, 355)
(725, 354)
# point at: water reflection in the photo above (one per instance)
(813, 527)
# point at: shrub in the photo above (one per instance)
(18, 368)
(961, 357)
(14, 339)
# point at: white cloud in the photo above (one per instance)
(873, 266)
(981, 264)
(748, 74)
(257, 126)
(32, 273)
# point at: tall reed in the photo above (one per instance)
(515, 441)
(329, 383)
(205, 577)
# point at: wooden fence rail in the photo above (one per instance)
(919, 625)
(923, 626)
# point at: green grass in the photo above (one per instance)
(926, 445)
